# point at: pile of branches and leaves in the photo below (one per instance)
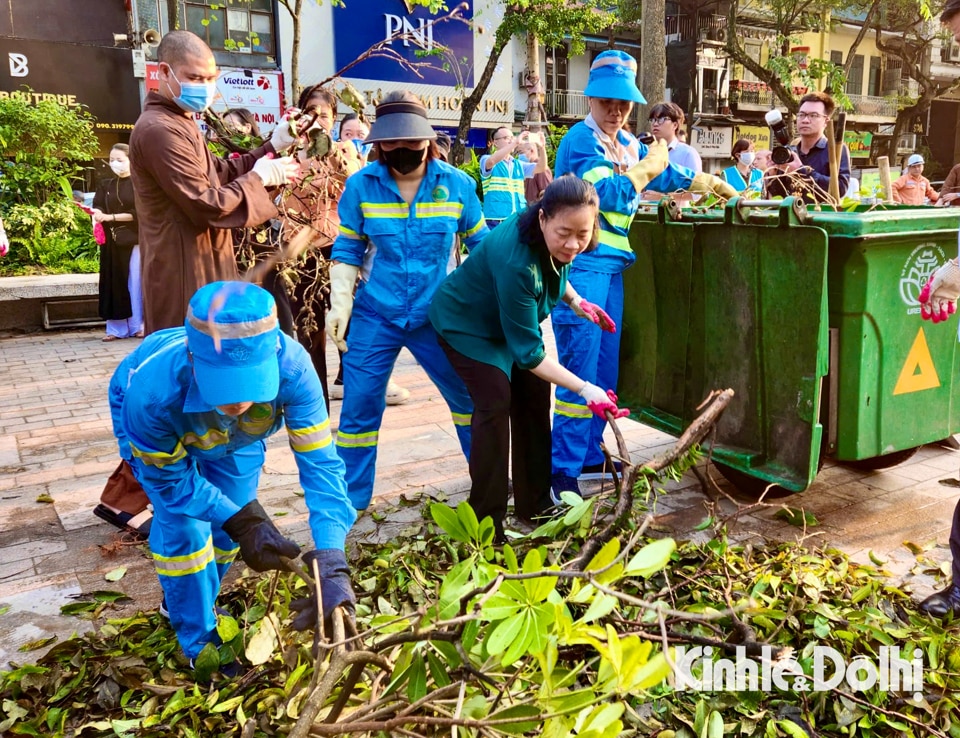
(573, 629)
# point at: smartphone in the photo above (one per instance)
(535, 137)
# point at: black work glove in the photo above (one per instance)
(261, 544)
(335, 588)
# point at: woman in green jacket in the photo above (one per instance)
(488, 312)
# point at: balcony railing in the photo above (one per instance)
(701, 27)
(567, 104)
(756, 94)
(874, 106)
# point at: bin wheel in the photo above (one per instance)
(882, 462)
(750, 486)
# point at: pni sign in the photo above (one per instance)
(361, 25)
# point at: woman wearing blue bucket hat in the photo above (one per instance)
(600, 151)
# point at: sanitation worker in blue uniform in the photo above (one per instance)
(503, 177)
(399, 218)
(601, 152)
(191, 408)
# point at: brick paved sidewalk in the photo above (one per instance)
(55, 440)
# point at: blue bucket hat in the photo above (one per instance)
(613, 75)
(232, 335)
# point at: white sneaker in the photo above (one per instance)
(336, 391)
(397, 395)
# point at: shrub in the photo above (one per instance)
(43, 149)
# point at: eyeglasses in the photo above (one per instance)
(661, 120)
(504, 138)
(809, 116)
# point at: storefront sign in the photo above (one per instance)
(858, 142)
(442, 103)
(759, 136)
(98, 78)
(713, 143)
(257, 90)
(359, 26)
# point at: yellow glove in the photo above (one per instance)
(343, 278)
(650, 166)
(704, 182)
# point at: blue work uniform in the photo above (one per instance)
(404, 250)
(733, 177)
(199, 467)
(504, 187)
(593, 355)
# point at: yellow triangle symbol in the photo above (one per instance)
(918, 371)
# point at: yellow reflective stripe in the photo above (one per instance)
(503, 184)
(384, 210)
(348, 233)
(462, 418)
(225, 557)
(357, 440)
(571, 410)
(597, 173)
(614, 240)
(159, 458)
(480, 224)
(618, 220)
(439, 209)
(210, 439)
(181, 566)
(303, 440)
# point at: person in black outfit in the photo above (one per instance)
(121, 301)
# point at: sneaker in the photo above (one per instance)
(336, 391)
(397, 395)
(562, 483)
(599, 471)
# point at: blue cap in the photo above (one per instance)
(613, 75)
(232, 335)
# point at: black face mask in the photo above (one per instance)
(404, 160)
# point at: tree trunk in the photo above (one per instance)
(865, 26)
(294, 8)
(532, 81)
(472, 101)
(653, 54)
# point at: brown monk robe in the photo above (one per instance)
(187, 202)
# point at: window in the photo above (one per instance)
(873, 82)
(836, 57)
(752, 47)
(855, 78)
(244, 27)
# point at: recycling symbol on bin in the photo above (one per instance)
(923, 261)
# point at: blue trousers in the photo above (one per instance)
(373, 347)
(594, 356)
(192, 556)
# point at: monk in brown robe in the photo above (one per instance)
(187, 202)
(188, 199)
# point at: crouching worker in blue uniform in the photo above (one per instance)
(191, 408)
(399, 220)
(488, 314)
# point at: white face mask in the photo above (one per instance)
(747, 157)
(120, 168)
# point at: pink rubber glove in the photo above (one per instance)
(593, 313)
(601, 402)
(938, 298)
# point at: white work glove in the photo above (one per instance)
(600, 402)
(650, 167)
(276, 172)
(282, 137)
(343, 278)
(938, 298)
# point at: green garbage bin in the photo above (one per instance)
(765, 298)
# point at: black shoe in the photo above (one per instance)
(593, 472)
(940, 604)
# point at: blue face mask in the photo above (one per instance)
(362, 148)
(522, 157)
(194, 97)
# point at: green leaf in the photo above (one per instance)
(651, 558)
(449, 522)
(115, 575)
(227, 628)
(468, 520)
(504, 634)
(796, 517)
(417, 686)
(263, 643)
(207, 662)
(37, 644)
(715, 725)
(514, 713)
(602, 605)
